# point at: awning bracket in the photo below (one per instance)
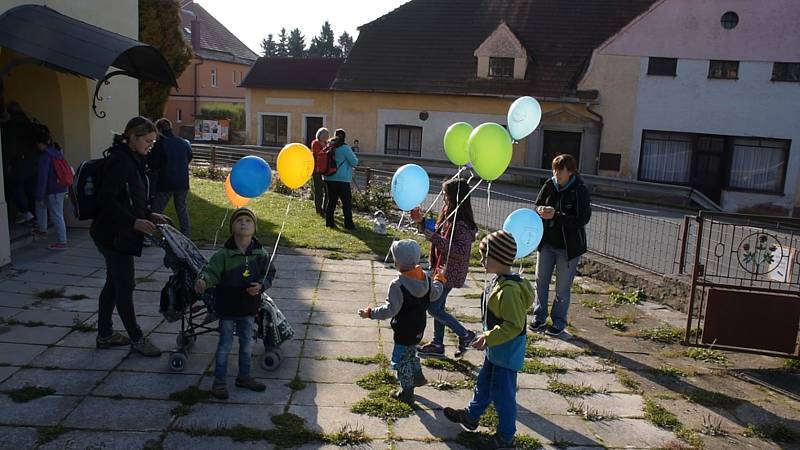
(97, 98)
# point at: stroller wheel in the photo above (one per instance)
(185, 342)
(271, 360)
(177, 362)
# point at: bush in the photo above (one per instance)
(234, 112)
(373, 198)
(209, 173)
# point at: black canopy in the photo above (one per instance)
(78, 47)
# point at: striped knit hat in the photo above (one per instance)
(246, 212)
(500, 246)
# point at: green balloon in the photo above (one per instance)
(455, 143)
(490, 150)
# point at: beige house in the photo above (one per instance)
(420, 68)
(54, 77)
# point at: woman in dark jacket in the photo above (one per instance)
(564, 206)
(119, 229)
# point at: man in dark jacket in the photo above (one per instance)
(169, 161)
(564, 206)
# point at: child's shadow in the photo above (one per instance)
(433, 419)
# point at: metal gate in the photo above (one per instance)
(745, 290)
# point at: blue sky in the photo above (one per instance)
(252, 20)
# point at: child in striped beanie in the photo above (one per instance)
(504, 307)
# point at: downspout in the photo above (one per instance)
(195, 30)
(599, 136)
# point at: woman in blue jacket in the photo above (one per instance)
(338, 184)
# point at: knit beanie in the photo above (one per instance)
(406, 254)
(243, 211)
(501, 247)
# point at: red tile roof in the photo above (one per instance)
(209, 38)
(292, 73)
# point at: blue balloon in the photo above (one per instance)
(251, 176)
(410, 185)
(524, 116)
(527, 228)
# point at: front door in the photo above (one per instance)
(708, 164)
(560, 142)
(313, 124)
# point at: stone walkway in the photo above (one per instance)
(112, 399)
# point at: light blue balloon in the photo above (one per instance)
(527, 228)
(410, 185)
(524, 116)
(251, 176)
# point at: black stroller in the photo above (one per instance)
(196, 312)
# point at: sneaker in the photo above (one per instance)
(431, 350)
(538, 327)
(460, 416)
(404, 395)
(145, 347)
(24, 217)
(419, 379)
(219, 391)
(495, 442)
(116, 339)
(464, 343)
(57, 246)
(553, 331)
(250, 383)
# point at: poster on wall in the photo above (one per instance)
(212, 130)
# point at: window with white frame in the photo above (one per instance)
(403, 140)
(501, 67)
(666, 157)
(233, 77)
(178, 115)
(274, 130)
(758, 164)
(213, 77)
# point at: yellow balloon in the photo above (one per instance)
(236, 199)
(295, 165)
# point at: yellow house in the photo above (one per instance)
(55, 77)
(428, 64)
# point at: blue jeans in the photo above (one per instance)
(54, 206)
(548, 259)
(406, 363)
(179, 197)
(496, 385)
(244, 328)
(442, 317)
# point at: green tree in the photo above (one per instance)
(297, 44)
(160, 26)
(268, 47)
(345, 43)
(323, 46)
(283, 44)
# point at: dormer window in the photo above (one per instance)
(502, 55)
(501, 67)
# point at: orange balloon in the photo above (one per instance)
(236, 199)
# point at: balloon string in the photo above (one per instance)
(221, 224)
(439, 195)
(462, 201)
(453, 227)
(488, 212)
(386, 259)
(278, 239)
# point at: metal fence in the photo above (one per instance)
(648, 243)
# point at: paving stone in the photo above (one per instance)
(332, 419)
(181, 441)
(581, 363)
(620, 405)
(79, 339)
(334, 305)
(349, 265)
(541, 402)
(291, 349)
(291, 293)
(65, 382)
(415, 445)
(216, 415)
(19, 354)
(16, 300)
(376, 444)
(7, 371)
(338, 333)
(49, 317)
(532, 380)
(145, 385)
(353, 297)
(432, 398)
(296, 316)
(363, 285)
(32, 335)
(293, 277)
(552, 428)
(324, 394)
(334, 349)
(51, 278)
(88, 305)
(80, 358)
(345, 277)
(427, 424)
(7, 313)
(18, 438)
(294, 304)
(125, 414)
(99, 440)
(204, 343)
(598, 380)
(337, 319)
(631, 433)
(48, 410)
(277, 392)
(331, 371)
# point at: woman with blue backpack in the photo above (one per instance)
(54, 176)
(337, 184)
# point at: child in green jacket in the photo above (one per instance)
(238, 272)
(504, 307)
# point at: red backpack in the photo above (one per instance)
(64, 175)
(325, 161)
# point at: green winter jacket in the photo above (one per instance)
(230, 271)
(504, 315)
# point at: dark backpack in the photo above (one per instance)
(64, 175)
(85, 189)
(325, 161)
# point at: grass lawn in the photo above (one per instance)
(304, 228)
